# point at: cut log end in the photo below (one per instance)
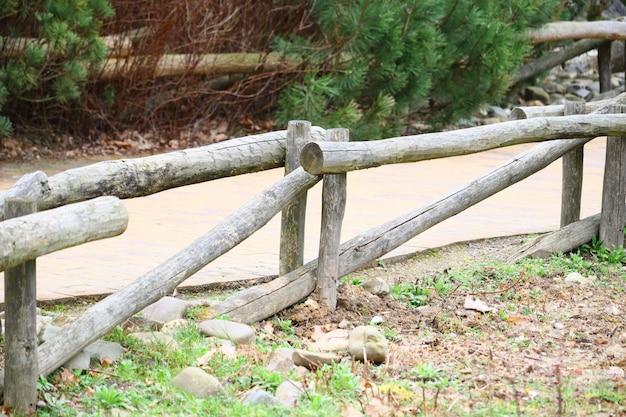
(312, 158)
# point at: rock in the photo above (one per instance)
(82, 360)
(49, 332)
(333, 341)
(498, 112)
(156, 338)
(236, 332)
(313, 360)
(614, 373)
(101, 349)
(536, 93)
(172, 326)
(166, 309)
(141, 324)
(198, 383)
(575, 277)
(259, 396)
(367, 342)
(558, 326)
(289, 392)
(344, 324)
(376, 286)
(583, 93)
(281, 361)
(377, 320)
(42, 322)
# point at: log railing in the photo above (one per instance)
(129, 178)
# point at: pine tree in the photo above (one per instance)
(46, 50)
(375, 60)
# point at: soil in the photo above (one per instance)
(541, 331)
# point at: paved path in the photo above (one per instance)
(163, 224)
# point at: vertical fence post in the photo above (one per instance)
(604, 66)
(20, 304)
(614, 189)
(572, 181)
(294, 215)
(333, 208)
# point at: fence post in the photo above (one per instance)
(333, 208)
(604, 66)
(572, 181)
(614, 189)
(294, 215)
(20, 304)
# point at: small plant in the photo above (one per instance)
(353, 280)
(592, 247)
(198, 312)
(414, 295)
(442, 286)
(286, 327)
(108, 396)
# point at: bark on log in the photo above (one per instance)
(598, 107)
(33, 186)
(555, 58)
(559, 31)
(614, 188)
(20, 378)
(262, 301)
(144, 176)
(563, 240)
(172, 65)
(335, 157)
(572, 175)
(162, 280)
(29, 237)
(293, 217)
(333, 209)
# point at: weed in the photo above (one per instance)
(108, 396)
(352, 280)
(414, 295)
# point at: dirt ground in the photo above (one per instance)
(542, 330)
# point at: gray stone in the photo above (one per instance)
(198, 383)
(156, 338)
(376, 286)
(536, 93)
(236, 332)
(82, 360)
(281, 361)
(42, 322)
(258, 396)
(366, 342)
(49, 332)
(289, 392)
(583, 93)
(166, 309)
(333, 341)
(101, 349)
(498, 112)
(313, 360)
(377, 320)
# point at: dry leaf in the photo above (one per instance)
(269, 328)
(204, 359)
(349, 411)
(68, 377)
(376, 408)
(516, 319)
(318, 333)
(106, 361)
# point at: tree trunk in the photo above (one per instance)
(335, 157)
(29, 237)
(598, 107)
(162, 280)
(33, 186)
(262, 301)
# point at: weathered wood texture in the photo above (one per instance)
(335, 157)
(173, 65)
(262, 301)
(604, 66)
(144, 176)
(162, 280)
(20, 348)
(33, 186)
(293, 217)
(34, 235)
(565, 239)
(614, 188)
(572, 175)
(333, 210)
(598, 107)
(555, 58)
(560, 31)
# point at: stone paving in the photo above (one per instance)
(164, 224)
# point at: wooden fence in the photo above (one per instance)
(322, 154)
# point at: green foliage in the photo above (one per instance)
(414, 295)
(54, 66)
(376, 60)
